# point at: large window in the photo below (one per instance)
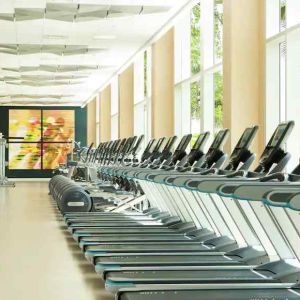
(283, 69)
(198, 69)
(39, 139)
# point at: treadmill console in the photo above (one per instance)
(201, 141)
(157, 150)
(241, 151)
(148, 150)
(129, 147)
(134, 150)
(138, 144)
(179, 152)
(166, 152)
(274, 151)
(120, 150)
(109, 151)
(214, 153)
(155, 153)
(88, 152)
(196, 152)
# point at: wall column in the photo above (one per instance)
(91, 122)
(126, 98)
(244, 69)
(105, 114)
(163, 86)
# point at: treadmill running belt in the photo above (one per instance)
(218, 294)
(186, 247)
(137, 237)
(169, 276)
(162, 259)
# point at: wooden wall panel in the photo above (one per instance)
(244, 65)
(91, 122)
(163, 86)
(126, 102)
(105, 115)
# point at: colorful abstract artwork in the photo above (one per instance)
(24, 125)
(24, 156)
(58, 125)
(40, 139)
(55, 154)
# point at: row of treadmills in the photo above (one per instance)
(201, 226)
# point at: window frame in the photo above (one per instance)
(183, 73)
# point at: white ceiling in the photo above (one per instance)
(60, 52)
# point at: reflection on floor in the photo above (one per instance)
(38, 258)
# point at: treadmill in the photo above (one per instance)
(250, 133)
(282, 287)
(215, 156)
(273, 160)
(195, 154)
(223, 244)
(272, 272)
(179, 161)
(168, 221)
(235, 257)
(213, 292)
(150, 153)
(241, 158)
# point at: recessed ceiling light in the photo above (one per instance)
(54, 37)
(105, 37)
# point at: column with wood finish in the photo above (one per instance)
(91, 122)
(126, 102)
(162, 100)
(244, 68)
(105, 114)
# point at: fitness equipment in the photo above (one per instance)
(248, 254)
(172, 275)
(180, 287)
(70, 197)
(4, 182)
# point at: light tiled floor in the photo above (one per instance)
(38, 258)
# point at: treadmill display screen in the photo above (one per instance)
(199, 141)
(278, 135)
(245, 138)
(218, 140)
(159, 143)
(180, 145)
(170, 143)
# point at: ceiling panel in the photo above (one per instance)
(62, 51)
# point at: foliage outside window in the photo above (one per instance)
(195, 40)
(218, 95)
(218, 30)
(282, 15)
(195, 109)
(200, 37)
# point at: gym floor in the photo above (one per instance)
(38, 258)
